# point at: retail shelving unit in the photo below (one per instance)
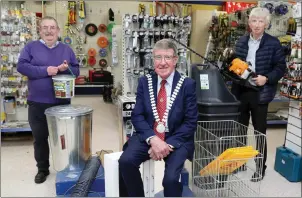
(293, 136)
(18, 27)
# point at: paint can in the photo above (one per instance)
(64, 86)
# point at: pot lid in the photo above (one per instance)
(68, 110)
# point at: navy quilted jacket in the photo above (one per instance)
(270, 62)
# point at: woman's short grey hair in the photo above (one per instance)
(166, 44)
(261, 12)
(49, 18)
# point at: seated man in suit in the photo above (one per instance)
(165, 120)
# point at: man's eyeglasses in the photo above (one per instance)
(166, 58)
(51, 28)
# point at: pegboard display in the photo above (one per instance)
(140, 33)
(281, 17)
(85, 34)
(18, 27)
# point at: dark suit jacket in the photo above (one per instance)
(182, 118)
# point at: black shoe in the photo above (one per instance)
(41, 177)
(257, 177)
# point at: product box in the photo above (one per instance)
(288, 164)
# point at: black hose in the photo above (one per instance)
(87, 177)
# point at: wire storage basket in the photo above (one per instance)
(227, 156)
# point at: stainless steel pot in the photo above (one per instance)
(70, 133)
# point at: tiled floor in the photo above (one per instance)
(18, 165)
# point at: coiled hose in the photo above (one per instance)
(87, 177)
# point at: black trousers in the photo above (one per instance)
(250, 107)
(38, 124)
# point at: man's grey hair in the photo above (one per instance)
(166, 44)
(261, 12)
(49, 18)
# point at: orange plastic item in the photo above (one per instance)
(238, 66)
(102, 28)
(91, 52)
(229, 160)
(102, 42)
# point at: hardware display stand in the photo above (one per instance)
(18, 27)
(140, 33)
(292, 88)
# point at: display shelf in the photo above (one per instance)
(12, 130)
(15, 126)
(89, 85)
(283, 99)
(125, 107)
(276, 122)
(89, 90)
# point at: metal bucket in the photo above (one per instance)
(70, 133)
(64, 86)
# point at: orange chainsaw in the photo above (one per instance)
(241, 68)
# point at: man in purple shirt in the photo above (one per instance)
(40, 61)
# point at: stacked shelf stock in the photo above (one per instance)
(140, 33)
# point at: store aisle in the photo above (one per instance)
(18, 165)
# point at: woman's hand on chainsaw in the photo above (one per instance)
(260, 80)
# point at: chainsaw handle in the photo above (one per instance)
(239, 81)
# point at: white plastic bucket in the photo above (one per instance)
(64, 86)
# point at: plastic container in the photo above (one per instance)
(213, 95)
(215, 107)
(214, 117)
(64, 86)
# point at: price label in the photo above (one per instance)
(127, 113)
(204, 81)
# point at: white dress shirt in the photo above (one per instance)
(251, 55)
